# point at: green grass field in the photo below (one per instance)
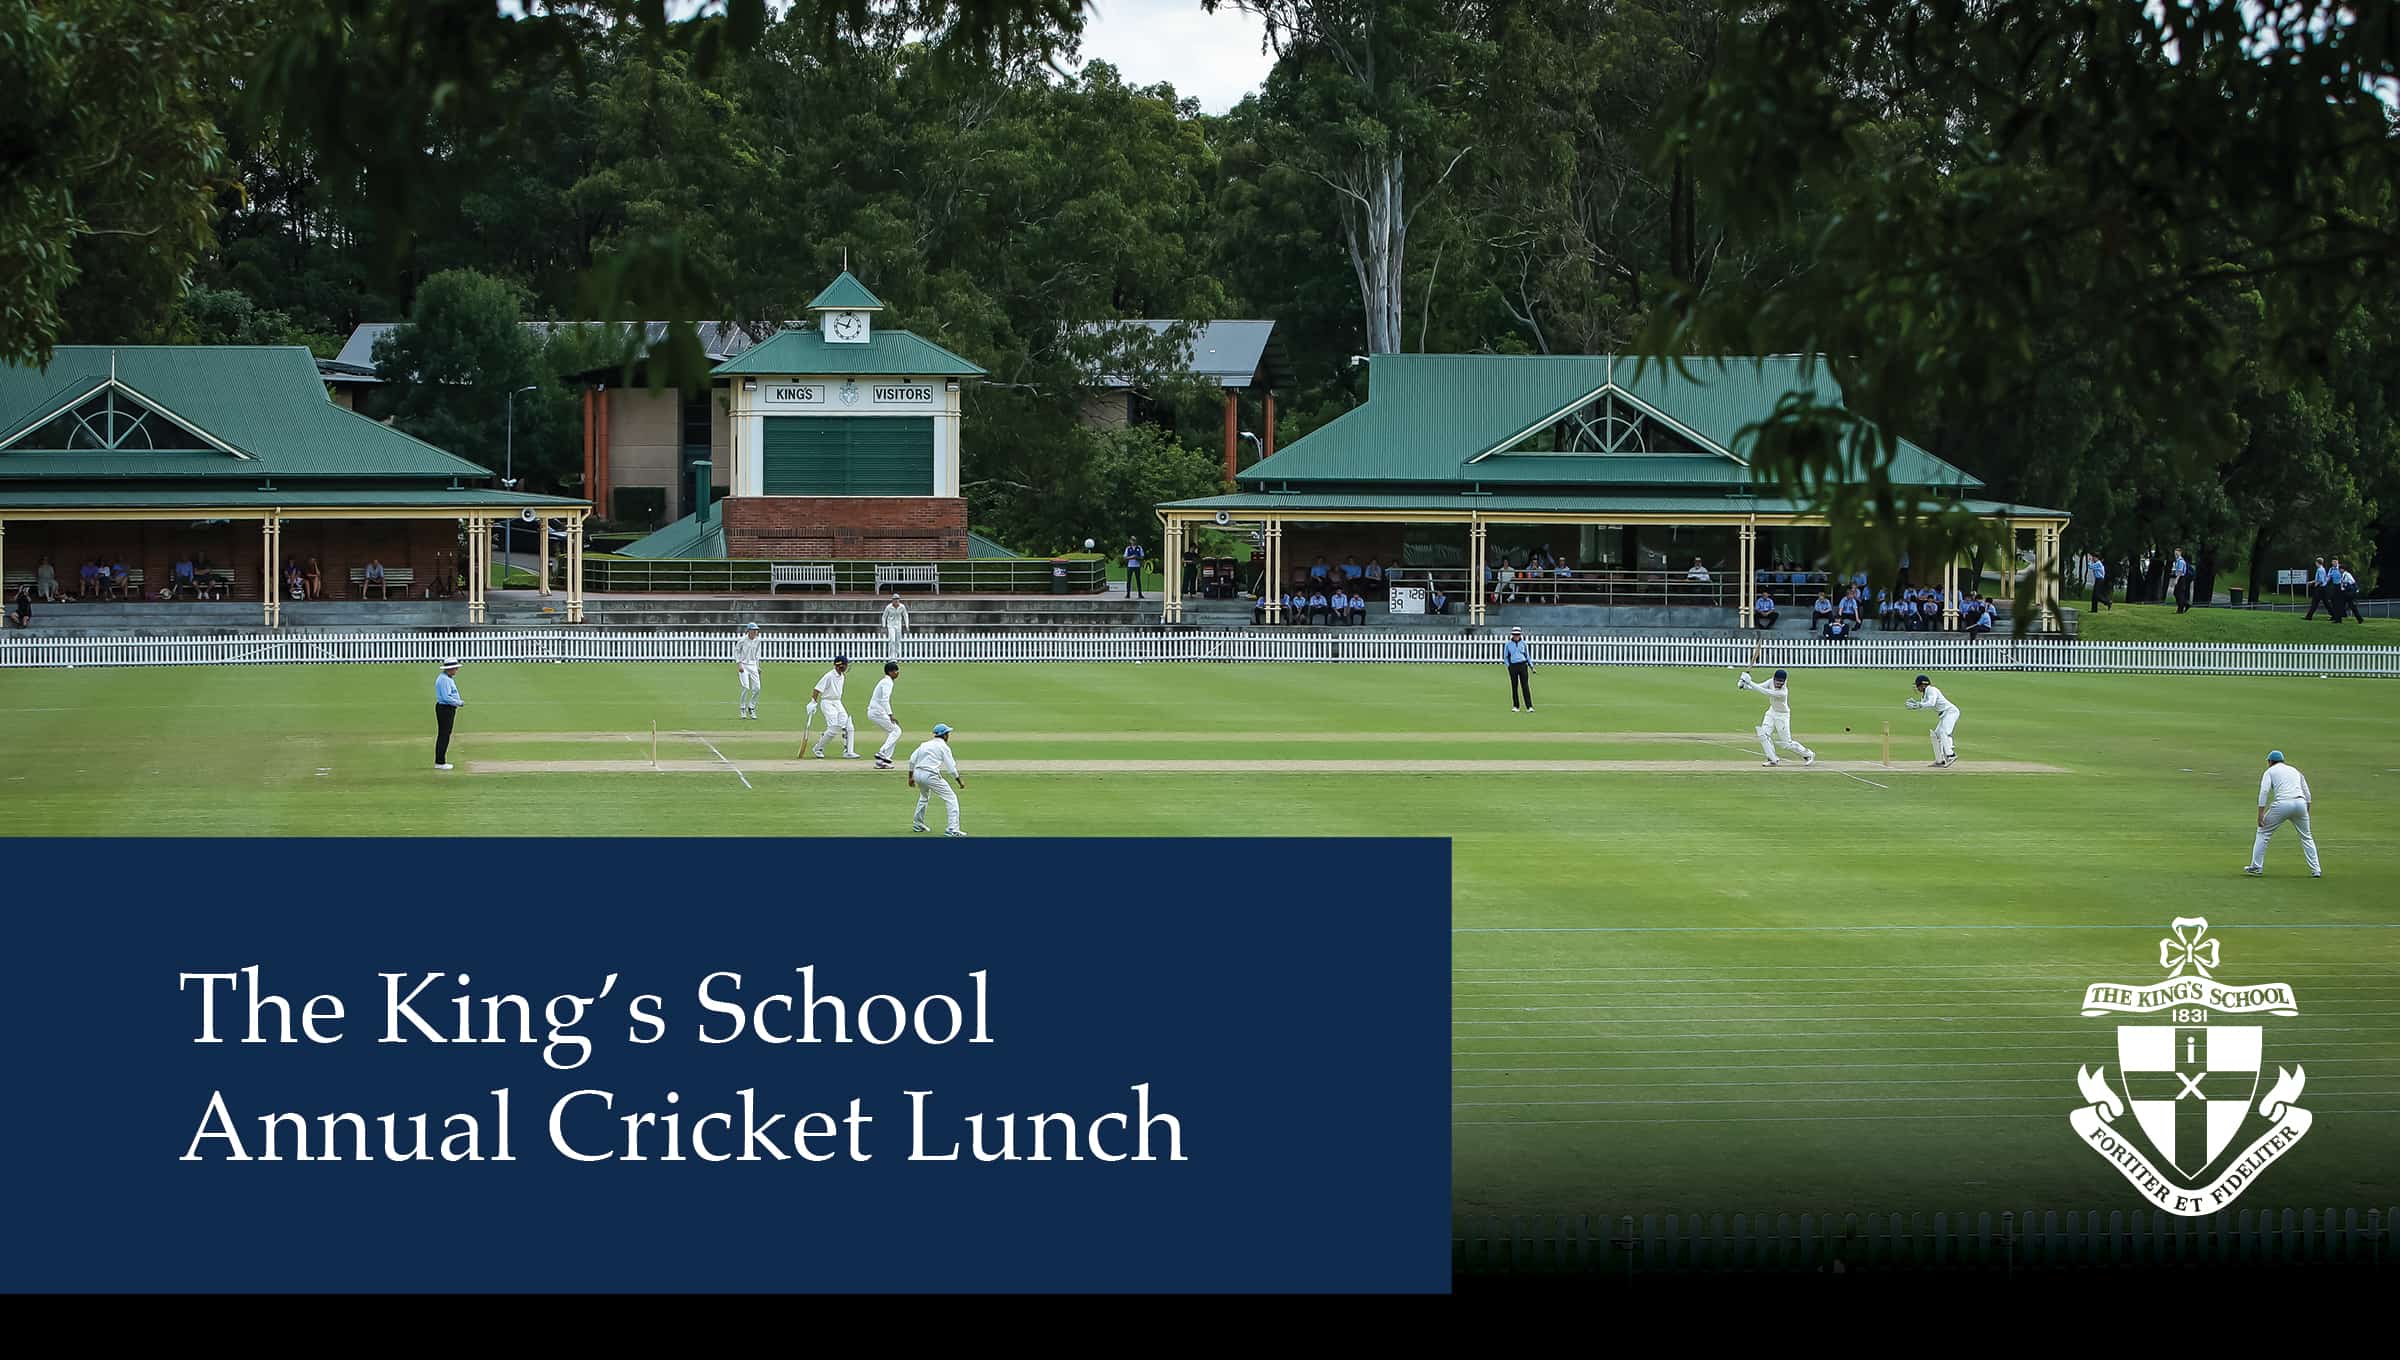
(2160, 623)
(1697, 985)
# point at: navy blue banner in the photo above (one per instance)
(984, 1065)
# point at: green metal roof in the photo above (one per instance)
(318, 496)
(265, 401)
(1446, 418)
(805, 353)
(846, 294)
(1560, 502)
(689, 537)
(980, 547)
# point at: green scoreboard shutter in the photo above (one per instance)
(848, 456)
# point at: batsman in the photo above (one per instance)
(1775, 729)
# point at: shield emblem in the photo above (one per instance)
(2190, 1086)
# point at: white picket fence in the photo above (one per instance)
(1921, 652)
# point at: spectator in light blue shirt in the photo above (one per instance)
(1340, 604)
(1320, 571)
(446, 704)
(2317, 593)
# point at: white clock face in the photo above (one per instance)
(849, 326)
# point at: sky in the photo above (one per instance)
(1214, 58)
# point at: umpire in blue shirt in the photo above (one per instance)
(446, 704)
(1520, 670)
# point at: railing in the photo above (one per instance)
(1792, 591)
(1599, 1244)
(1898, 651)
(990, 575)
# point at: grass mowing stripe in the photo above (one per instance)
(1717, 885)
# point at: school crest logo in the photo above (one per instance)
(849, 393)
(2200, 1133)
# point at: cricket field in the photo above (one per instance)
(1683, 982)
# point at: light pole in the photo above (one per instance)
(1255, 445)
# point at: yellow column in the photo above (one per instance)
(541, 530)
(575, 569)
(1172, 560)
(1950, 592)
(1274, 581)
(274, 583)
(1749, 576)
(479, 546)
(1476, 535)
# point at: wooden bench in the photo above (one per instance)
(909, 574)
(783, 574)
(394, 578)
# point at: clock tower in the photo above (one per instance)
(844, 439)
(845, 312)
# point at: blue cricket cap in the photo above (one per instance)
(941, 729)
(1780, 675)
(2274, 757)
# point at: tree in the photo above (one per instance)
(1370, 99)
(1986, 173)
(452, 366)
(108, 158)
(1581, 219)
(1110, 489)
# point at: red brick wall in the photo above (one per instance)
(154, 546)
(925, 528)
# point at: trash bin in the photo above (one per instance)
(2235, 596)
(1058, 576)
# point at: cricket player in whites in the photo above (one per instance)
(828, 695)
(1775, 729)
(2282, 797)
(931, 768)
(1945, 753)
(879, 712)
(895, 622)
(745, 664)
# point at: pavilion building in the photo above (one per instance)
(150, 455)
(1635, 472)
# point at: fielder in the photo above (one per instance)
(745, 665)
(1945, 752)
(1775, 729)
(895, 622)
(828, 696)
(2282, 797)
(931, 768)
(879, 712)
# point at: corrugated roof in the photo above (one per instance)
(316, 497)
(267, 401)
(720, 340)
(846, 294)
(1428, 417)
(1561, 502)
(689, 537)
(1229, 353)
(805, 353)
